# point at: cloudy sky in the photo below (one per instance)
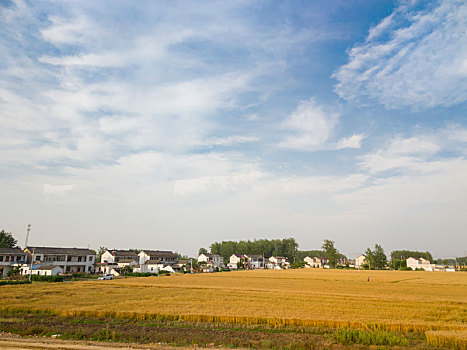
(173, 124)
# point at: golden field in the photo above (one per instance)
(391, 300)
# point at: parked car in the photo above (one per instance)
(107, 276)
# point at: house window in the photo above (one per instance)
(1, 258)
(90, 258)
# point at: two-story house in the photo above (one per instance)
(11, 258)
(158, 256)
(213, 259)
(69, 259)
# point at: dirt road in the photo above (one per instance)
(14, 343)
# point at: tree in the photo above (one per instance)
(126, 269)
(7, 240)
(99, 253)
(332, 254)
(376, 258)
(202, 251)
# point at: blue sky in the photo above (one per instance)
(170, 125)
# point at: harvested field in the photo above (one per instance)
(390, 301)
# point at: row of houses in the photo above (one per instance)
(412, 263)
(146, 261)
(46, 260)
(249, 262)
(54, 260)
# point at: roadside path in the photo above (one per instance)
(12, 342)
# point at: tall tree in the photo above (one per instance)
(332, 254)
(376, 258)
(202, 251)
(7, 240)
(100, 251)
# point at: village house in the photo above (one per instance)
(235, 260)
(316, 262)
(69, 259)
(420, 263)
(11, 258)
(116, 256)
(160, 256)
(254, 261)
(360, 261)
(113, 260)
(277, 262)
(42, 270)
(213, 259)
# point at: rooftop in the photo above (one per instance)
(61, 251)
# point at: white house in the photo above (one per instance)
(315, 261)
(116, 256)
(276, 262)
(360, 261)
(234, 260)
(158, 256)
(254, 261)
(214, 259)
(69, 259)
(48, 270)
(11, 258)
(420, 264)
(148, 267)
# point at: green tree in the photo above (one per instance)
(202, 251)
(100, 251)
(126, 269)
(7, 240)
(332, 254)
(376, 258)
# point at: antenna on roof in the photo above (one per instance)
(27, 236)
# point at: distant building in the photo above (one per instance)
(254, 261)
(316, 261)
(42, 270)
(115, 256)
(360, 261)
(69, 259)
(213, 259)
(420, 263)
(234, 260)
(158, 256)
(11, 258)
(277, 262)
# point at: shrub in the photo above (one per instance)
(39, 278)
(4, 283)
(140, 274)
(349, 336)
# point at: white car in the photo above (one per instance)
(107, 276)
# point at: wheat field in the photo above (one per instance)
(391, 300)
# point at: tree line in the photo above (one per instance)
(288, 247)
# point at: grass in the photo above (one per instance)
(392, 301)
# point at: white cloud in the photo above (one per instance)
(411, 58)
(354, 141)
(414, 153)
(311, 125)
(229, 140)
(308, 185)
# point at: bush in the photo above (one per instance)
(405, 268)
(4, 283)
(349, 336)
(39, 278)
(140, 274)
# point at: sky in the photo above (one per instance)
(174, 124)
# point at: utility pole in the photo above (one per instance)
(32, 261)
(27, 235)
